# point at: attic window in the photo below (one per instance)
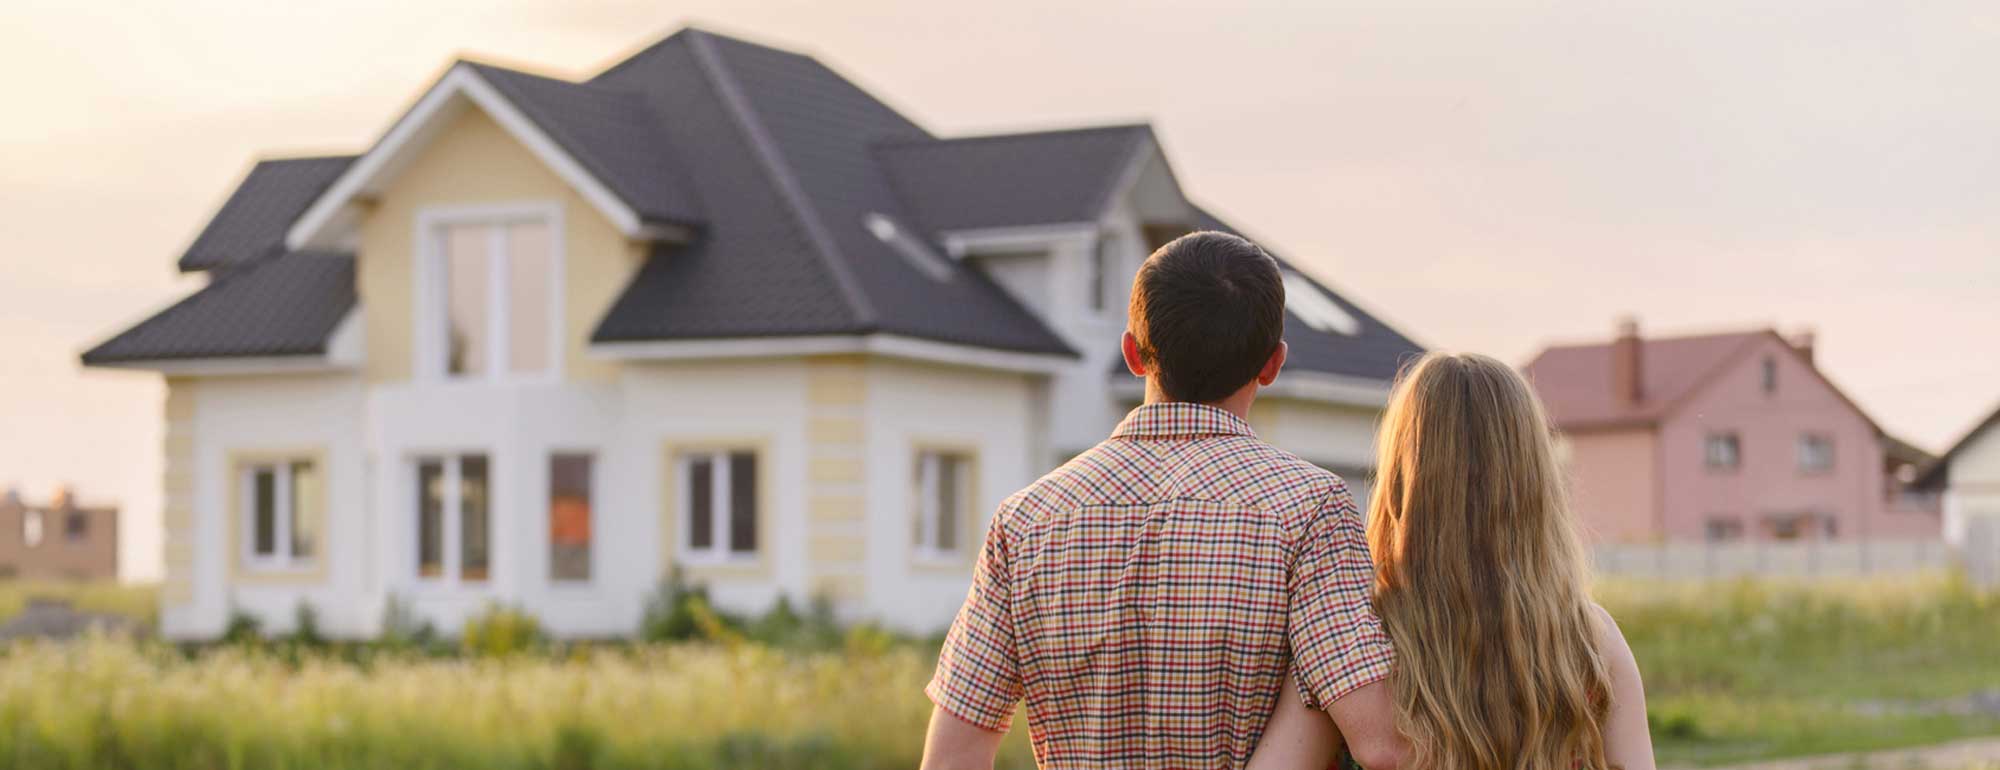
(913, 249)
(1316, 309)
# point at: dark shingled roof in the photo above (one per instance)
(1011, 180)
(779, 145)
(284, 305)
(790, 161)
(252, 223)
(1377, 352)
(612, 133)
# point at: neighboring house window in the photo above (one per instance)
(1770, 374)
(454, 505)
(497, 297)
(719, 504)
(31, 528)
(570, 516)
(1786, 527)
(76, 524)
(1723, 529)
(283, 515)
(1815, 453)
(943, 493)
(1722, 451)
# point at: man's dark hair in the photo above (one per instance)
(1208, 309)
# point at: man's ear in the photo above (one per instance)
(1269, 373)
(1130, 345)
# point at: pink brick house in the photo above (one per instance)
(1724, 437)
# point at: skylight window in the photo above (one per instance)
(1316, 309)
(913, 249)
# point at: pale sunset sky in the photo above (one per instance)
(1487, 179)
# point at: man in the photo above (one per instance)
(1151, 598)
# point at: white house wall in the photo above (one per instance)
(912, 406)
(236, 415)
(1974, 484)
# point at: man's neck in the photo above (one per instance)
(1237, 403)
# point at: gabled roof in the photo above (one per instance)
(1938, 472)
(779, 145)
(1012, 180)
(252, 223)
(1377, 351)
(613, 133)
(777, 176)
(1574, 381)
(282, 305)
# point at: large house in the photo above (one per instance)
(1724, 437)
(62, 539)
(714, 310)
(1968, 475)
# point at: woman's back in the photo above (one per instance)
(1502, 660)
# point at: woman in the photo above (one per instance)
(1502, 660)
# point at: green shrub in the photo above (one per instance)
(501, 631)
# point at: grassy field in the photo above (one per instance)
(1734, 672)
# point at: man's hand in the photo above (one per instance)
(1367, 719)
(954, 744)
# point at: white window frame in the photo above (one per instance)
(433, 303)
(450, 530)
(925, 508)
(1099, 270)
(720, 499)
(282, 559)
(548, 490)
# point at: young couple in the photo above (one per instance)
(1185, 595)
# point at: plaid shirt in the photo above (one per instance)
(1147, 598)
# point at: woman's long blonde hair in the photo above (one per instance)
(1480, 578)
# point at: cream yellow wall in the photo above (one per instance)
(474, 161)
(177, 512)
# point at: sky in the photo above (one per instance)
(1488, 177)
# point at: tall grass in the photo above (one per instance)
(1734, 671)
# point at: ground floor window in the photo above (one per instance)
(942, 491)
(454, 512)
(570, 475)
(719, 504)
(282, 512)
(1724, 529)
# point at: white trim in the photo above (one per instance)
(348, 344)
(321, 222)
(963, 243)
(1304, 386)
(432, 303)
(283, 559)
(232, 367)
(930, 463)
(721, 550)
(889, 345)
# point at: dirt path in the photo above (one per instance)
(1958, 755)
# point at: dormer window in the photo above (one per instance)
(1317, 310)
(913, 250)
(494, 292)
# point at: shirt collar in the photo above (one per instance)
(1180, 419)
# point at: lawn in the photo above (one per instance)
(1734, 672)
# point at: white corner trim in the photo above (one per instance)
(1304, 386)
(887, 345)
(347, 346)
(962, 243)
(234, 367)
(314, 227)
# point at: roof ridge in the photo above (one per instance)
(772, 161)
(1019, 135)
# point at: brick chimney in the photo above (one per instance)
(1803, 342)
(1627, 374)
